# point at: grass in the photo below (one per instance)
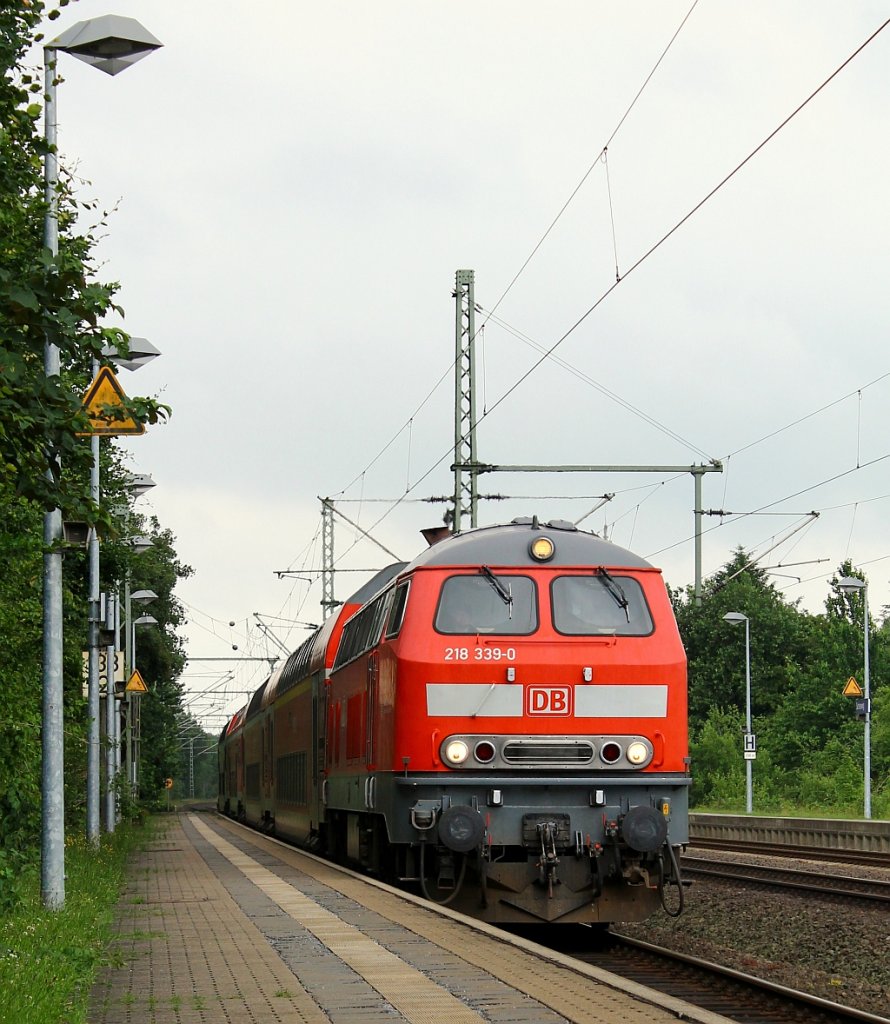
(48, 959)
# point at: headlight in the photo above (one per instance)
(456, 752)
(637, 752)
(541, 549)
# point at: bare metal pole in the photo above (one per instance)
(749, 764)
(465, 481)
(328, 601)
(867, 738)
(52, 840)
(93, 655)
(110, 712)
(697, 473)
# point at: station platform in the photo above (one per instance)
(222, 925)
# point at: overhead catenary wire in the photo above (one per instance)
(778, 501)
(687, 216)
(449, 370)
(602, 389)
(808, 416)
(634, 266)
(596, 160)
(647, 254)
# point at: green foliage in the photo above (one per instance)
(44, 464)
(44, 297)
(197, 760)
(715, 745)
(48, 959)
(160, 658)
(809, 744)
(20, 694)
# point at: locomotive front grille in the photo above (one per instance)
(554, 753)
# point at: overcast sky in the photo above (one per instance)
(296, 185)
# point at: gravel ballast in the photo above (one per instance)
(835, 951)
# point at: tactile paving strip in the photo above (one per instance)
(416, 997)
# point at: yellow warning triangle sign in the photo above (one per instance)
(136, 684)
(852, 688)
(104, 404)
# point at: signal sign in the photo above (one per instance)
(104, 404)
(136, 684)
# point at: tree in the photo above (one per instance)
(716, 650)
(45, 297)
(43, 463)
(161, 659)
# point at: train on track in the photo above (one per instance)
(500, 722)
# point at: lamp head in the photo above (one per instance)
(850, 584)
(110, 43)
(139, 352)
(735, 618)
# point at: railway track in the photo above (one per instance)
(878, 859)
(831, 885)
(734, 994)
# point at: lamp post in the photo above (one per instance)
(113, 712)
(141, 351)
(111, 44)
(735, 618)
(849, 585)
(141, 597)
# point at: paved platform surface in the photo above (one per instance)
(217, 925)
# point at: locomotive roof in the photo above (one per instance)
(376, 583)
(508, 545)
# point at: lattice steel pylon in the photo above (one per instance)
(466, 498)
(328, 603)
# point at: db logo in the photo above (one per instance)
(549, 700)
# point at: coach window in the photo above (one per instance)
(487, 603)
(599, 604)
(397, 614)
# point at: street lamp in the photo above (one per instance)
(735, 619)
(141, 597)
(110, 43)
(138, 545)
(849, 585)
(141, 351)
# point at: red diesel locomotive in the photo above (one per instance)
(501, 721)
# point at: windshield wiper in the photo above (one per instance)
(502, 591)
(614, 589)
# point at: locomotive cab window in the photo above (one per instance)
(487, 604)
(599, 604)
